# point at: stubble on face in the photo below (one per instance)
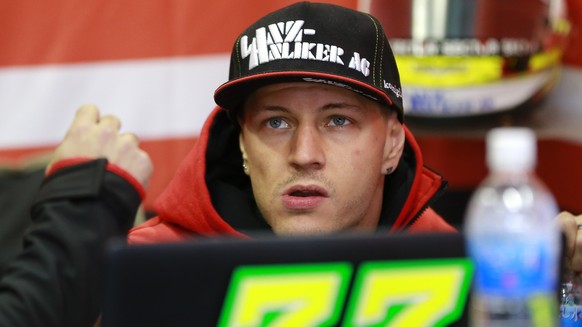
(345, 216)
(338, 216)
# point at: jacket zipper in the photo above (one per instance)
(430, 201)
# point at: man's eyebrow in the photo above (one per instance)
(326, 107)
(274, 108)
(340, 105)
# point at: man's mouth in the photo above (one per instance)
(305, 193)
(304, 197)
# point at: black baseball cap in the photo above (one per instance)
(314, 42)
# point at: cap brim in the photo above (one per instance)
(232, 94)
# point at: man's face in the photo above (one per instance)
(316, 156)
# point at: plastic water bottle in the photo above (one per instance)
(513, 237)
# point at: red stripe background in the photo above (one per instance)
(66, 31)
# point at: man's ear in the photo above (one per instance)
(394, 146)
(244, 153)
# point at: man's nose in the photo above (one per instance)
(306, 150)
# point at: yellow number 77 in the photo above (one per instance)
(409, 293)
(403, 293)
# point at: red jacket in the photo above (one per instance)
(210, 195)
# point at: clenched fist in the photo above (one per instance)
(92, 136)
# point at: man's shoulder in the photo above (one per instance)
(156, 230)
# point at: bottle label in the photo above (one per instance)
(513, 266)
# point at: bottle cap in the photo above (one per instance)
(511, 148)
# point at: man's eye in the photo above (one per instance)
(277, 123)
(339, 121)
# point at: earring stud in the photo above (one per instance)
(389, 170)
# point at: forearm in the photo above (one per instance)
(56, 281)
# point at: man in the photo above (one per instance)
(92, 192)
(308, 138)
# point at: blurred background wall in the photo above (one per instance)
(156, 63)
